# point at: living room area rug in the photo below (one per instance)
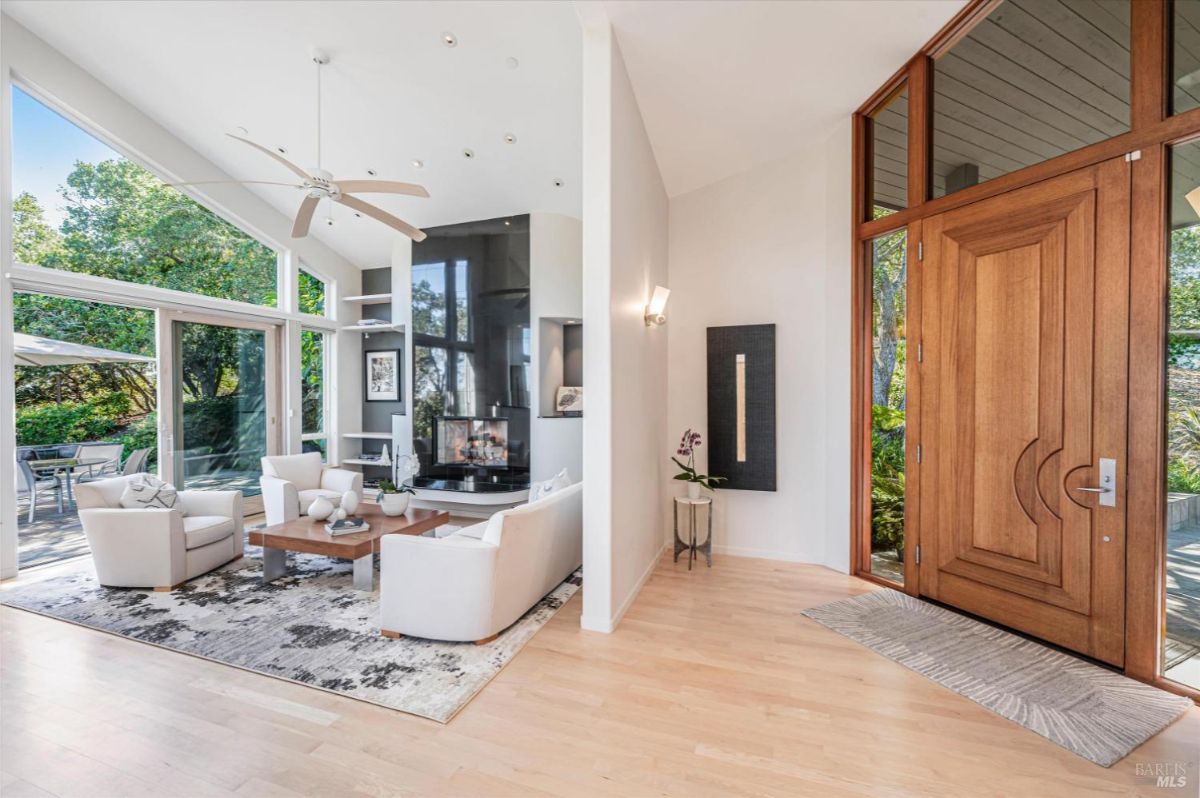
(1091, 711)
(310, 626)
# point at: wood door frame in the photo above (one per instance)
(1152, 131)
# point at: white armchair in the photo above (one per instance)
(477, 582)
(159, 548)
(292, 482)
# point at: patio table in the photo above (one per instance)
(68, 466)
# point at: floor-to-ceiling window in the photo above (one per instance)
(888, 345)
(1181, 644)
(314, 397)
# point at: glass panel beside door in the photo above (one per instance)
(224, 419)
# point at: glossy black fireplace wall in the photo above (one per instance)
(471, 341)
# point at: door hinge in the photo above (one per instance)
(917, 554)
(920, 352)
(918, 454)
(920, 250)
(1136, 155)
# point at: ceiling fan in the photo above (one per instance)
(319, 184)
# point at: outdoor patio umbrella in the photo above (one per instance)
(33, 350)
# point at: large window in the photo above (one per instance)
(313, 397)
(1181, 645)
(1036, 79)
(82, 207)
(888, 351)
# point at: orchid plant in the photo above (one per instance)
(687, 448)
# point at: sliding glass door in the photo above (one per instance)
(225, 404)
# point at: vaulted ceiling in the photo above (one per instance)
(393, 93)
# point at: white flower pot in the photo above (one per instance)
(693, 490)
(394, 503)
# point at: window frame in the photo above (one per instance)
(1152, 129)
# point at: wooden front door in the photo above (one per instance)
(1024, 327)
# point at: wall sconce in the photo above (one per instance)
(658, 303)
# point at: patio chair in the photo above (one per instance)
(33, 483)
(111, 452)
(136, 463)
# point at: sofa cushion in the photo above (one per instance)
(146, 491)
(540, 490)
(200, 530)
(302, 470)
(307, 497)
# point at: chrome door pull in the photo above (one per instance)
(1108, 483)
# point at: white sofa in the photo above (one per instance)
(475, 583)
(159, 548)
(292, 482)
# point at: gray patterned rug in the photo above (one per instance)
(310, 627)
(1090, 711)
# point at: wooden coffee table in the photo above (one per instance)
(309, 536)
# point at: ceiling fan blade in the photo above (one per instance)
(381, 187)
(304, 216)
(295, 169)
(242, 182)
(367, 209)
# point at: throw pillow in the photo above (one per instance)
(540, 490)
(148, 491)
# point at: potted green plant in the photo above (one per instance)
(687, 448)
(393, 499)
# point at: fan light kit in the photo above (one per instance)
(319, 184)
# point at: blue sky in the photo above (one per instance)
(45, 149)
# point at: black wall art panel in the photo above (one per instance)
(741, 406)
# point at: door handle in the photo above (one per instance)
(1107, 489)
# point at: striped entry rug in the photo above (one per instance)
(1090, 711)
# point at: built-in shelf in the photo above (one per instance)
(369, 299)
(374, 436)
(357, 461)
(374, 328)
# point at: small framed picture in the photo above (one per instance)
(569, 400)
(381, 372)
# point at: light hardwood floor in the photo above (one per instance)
(713, 685)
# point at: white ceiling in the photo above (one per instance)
(392, 93)
(726, 85)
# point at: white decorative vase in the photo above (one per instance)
(693, 490)
(320, 509)
(393, 503)
(349, 502)
(384, 457)
(339, 514)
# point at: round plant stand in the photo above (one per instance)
(692, 547)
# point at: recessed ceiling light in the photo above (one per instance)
(468, 153)
(511, 62)
(558, 183)
(509, 138)
(372, 172)
(329, 222)
(281, 150)
(357, 215)
(449, 39)
(508, 222)
(417, 163)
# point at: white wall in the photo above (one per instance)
(625, 365)
(771, 246)
(55, 79)
(556, 285)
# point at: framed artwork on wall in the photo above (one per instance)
(569, 400)
(381, 375)
(741, 406)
